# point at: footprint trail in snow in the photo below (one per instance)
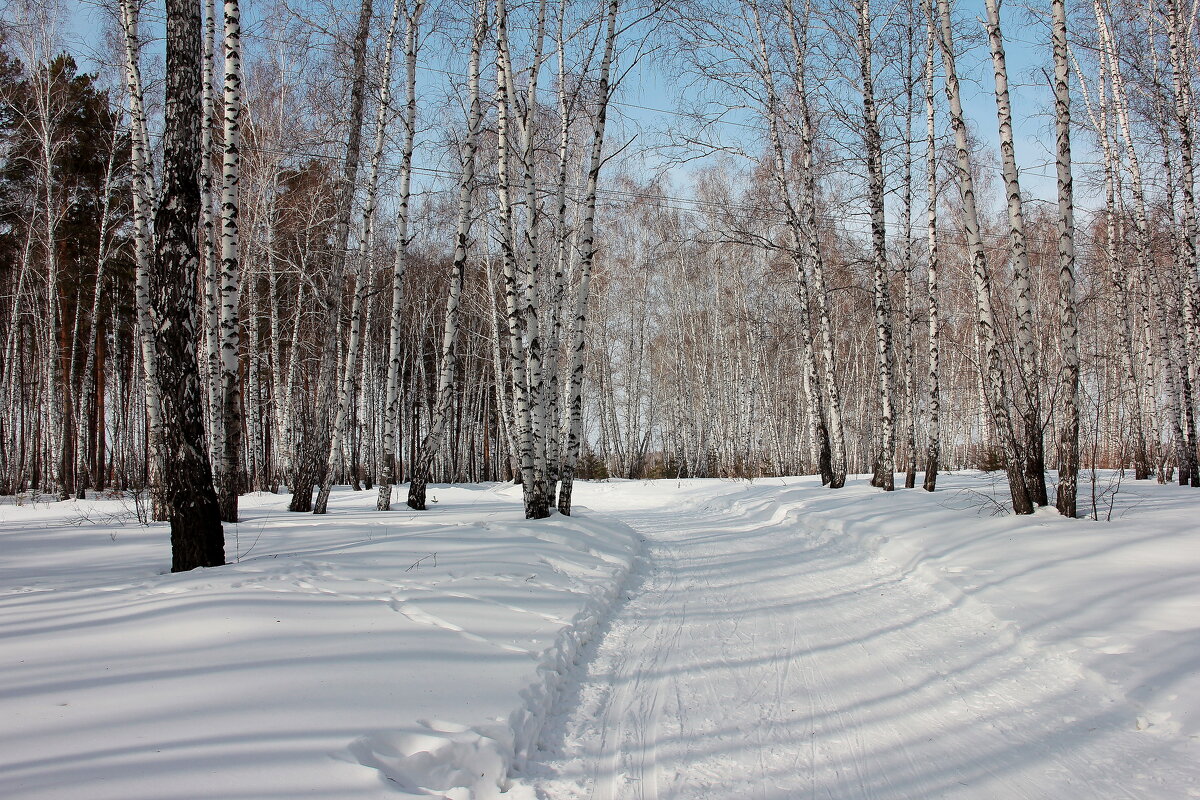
(758, 658)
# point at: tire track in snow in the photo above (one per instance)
(758, 658)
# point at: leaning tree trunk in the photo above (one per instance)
(1031, 444)
(997, 387)
(1143, 240)
(446, 373)
(317, 460)
(1068, 443)
(587, 245)
(798, 29)
(817, 429)
(196, 536)
(366, 239)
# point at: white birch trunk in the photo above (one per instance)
(143, 239)
(815, 260)
(587, 245)
(208, 254)
(513, 294)
(1068, 444)
(83, 477)
(1114, 267)
(229, 481)
(322, 455)
(462, 243)
(817, 430)
(349, 369)
(884, 476)
(997, 388)
(391, 409)
(933, 446)
(1181, 77)
(1140, 213)
(1031, 439)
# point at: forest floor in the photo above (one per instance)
(674, 639)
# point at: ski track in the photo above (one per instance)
(773, 660)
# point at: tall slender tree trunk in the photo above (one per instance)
(84, 475)
(587, 257)
(1068, 443)
(1114, 266)
(231, 273)
(318, 459)
(568, 102)
(196, 536)
(908, 367)
(513, 293)
(933, 446)
(391, 406)
(525, 334)
(462, 243)
(1031, 440)
(361, 274)
(208, 253)
(817, 429)
(144, 247)
(814, 261)
(1181, 77)
(885, 454)
(997, 387)
(1141, 219)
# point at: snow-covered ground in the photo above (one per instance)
(674, 639)
(355, 655)
(785, 641)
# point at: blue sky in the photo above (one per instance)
(655, 85)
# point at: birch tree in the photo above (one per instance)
(388, 467)
(196, 536)
(934, 443)
(231, 279)
(885, 454)
(520, 315)
(1182, 65)
(1031, 439)
(1068, 444)
(997, 384)
(361, 271)
(587, 247)
(774, 114)
(815, 266)
(208, 252)
(1141, 221)
(144, 248)
(419, 479)
(317, 459)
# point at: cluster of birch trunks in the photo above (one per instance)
(370, 247)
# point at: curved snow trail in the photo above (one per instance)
(759, 658)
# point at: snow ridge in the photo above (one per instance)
(461, 762)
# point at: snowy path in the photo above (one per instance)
(757, 658)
